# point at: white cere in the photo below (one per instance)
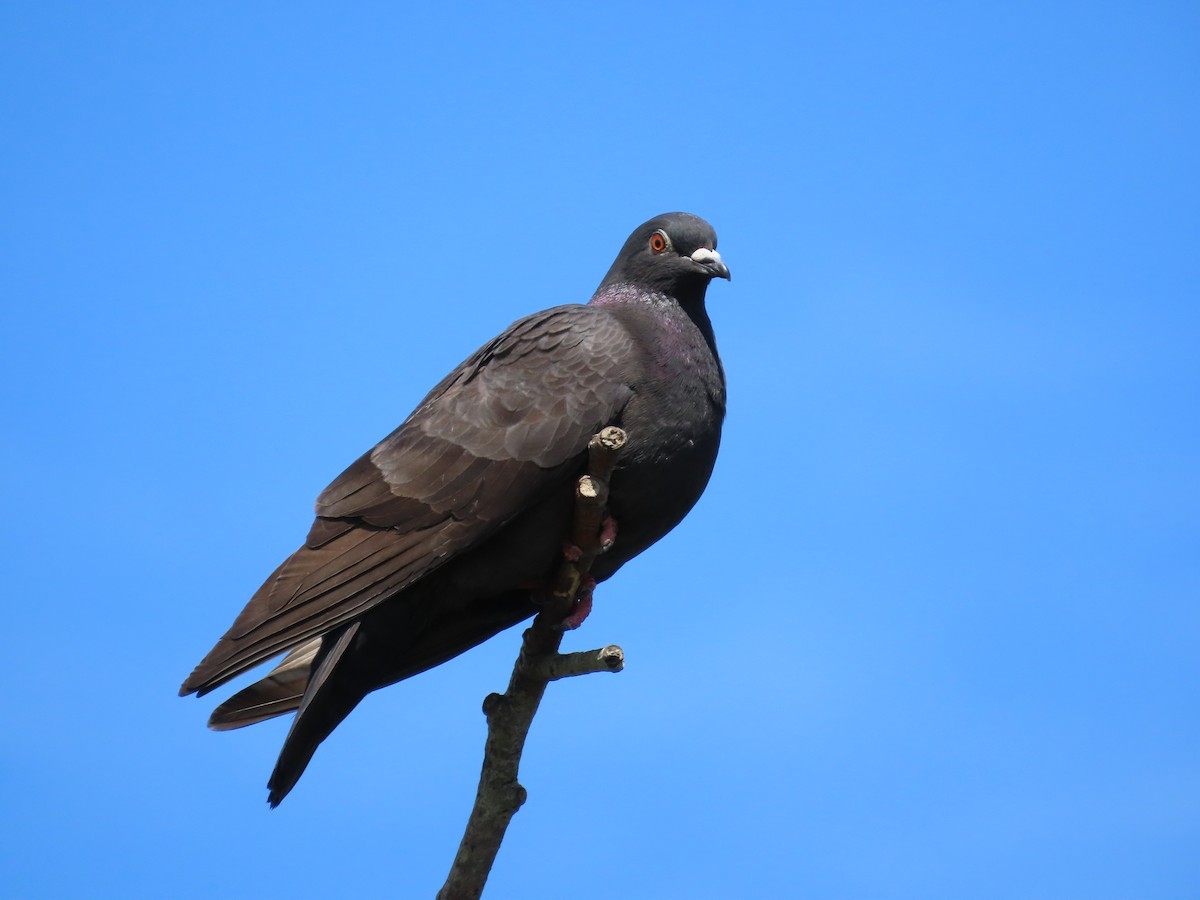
(704, 255)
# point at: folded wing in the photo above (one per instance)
(504, 429)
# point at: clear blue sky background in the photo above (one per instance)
(934, 630)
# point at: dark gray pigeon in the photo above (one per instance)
(442, 535)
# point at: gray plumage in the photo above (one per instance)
(440, 536)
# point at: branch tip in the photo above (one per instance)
(613, 657)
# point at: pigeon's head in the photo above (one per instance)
(674, 254)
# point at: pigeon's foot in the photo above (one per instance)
(583, 606)
(608, 533)
(607, 537)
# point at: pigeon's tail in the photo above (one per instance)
(324, 704)
(279, 693)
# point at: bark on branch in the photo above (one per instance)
(510, 714)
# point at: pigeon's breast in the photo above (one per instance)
(673, 420)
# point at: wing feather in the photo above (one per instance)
(498, 434)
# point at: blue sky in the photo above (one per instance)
(931, 633)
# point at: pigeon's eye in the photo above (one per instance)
(659, 241)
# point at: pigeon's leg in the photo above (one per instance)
(574, 553)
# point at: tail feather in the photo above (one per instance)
(322, 708)
(279, 693)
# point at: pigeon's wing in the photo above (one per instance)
(505, 428)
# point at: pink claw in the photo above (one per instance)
(570, 552)
(583, 606)
(608, 532)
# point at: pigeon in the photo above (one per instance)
(445, 533)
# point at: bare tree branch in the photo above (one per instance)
(585, 662)
(510, 714)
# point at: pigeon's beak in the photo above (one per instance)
(711, 260)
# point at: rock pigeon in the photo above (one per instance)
(444, 533)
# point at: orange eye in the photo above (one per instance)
(659, 242)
